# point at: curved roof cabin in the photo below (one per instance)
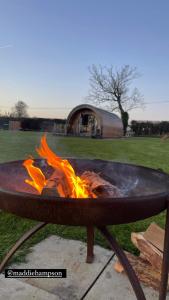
(88, 120)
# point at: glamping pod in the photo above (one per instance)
(90, 121)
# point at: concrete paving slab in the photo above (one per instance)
(13, 289)
(115, 286)
(55, 252)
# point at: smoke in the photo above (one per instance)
(129, 186)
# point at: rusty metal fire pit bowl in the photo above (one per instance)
(145, 193)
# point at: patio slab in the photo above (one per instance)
(55, 252)
(84, 281)
(115, 286)
(13, 289)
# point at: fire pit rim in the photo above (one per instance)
(85, 211)
(98, 201)
(90, 200)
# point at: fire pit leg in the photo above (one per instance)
(165, 264)
(90, 244)
(25, 237)
(125, 262)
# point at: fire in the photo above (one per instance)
(69, 184)
(38, 179)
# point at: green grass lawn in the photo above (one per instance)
(151, 152)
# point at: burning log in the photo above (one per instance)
(50, 188)
(99, 186)
(67, 183)
(56, 185)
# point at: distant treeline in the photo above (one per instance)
(149, 128)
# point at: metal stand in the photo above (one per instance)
(32, 231)
(90, 244)
(118, 251)
(125, 262)
(128, 268)
(19, 243)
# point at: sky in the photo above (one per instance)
(47, 46)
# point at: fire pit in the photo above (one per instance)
(145, 193)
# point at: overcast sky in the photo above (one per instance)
(46, 47)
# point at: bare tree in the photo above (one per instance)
(6, 114)
(20, 110)
(111, 88)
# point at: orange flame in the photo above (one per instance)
(69, 184)
(38, 178)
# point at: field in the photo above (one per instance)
(151, 152)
